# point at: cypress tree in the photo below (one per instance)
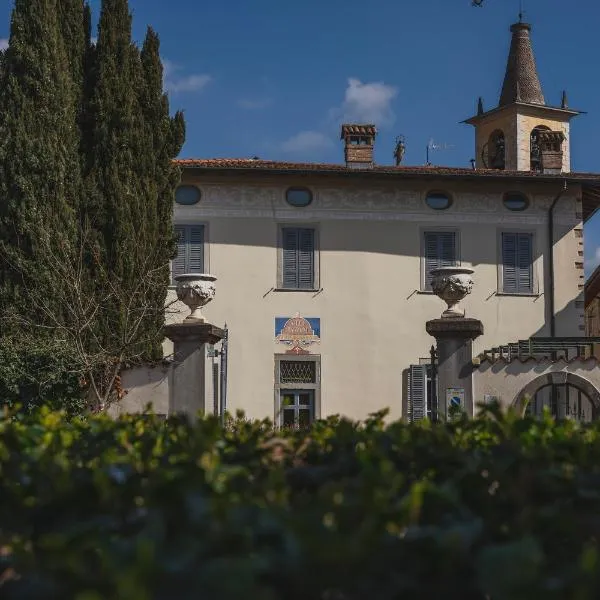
(39, 155)
(164, 138)
(132, 178)
(86, 170)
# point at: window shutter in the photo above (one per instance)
(509, 263)
(417, 392)
(306, 259)
(179, 262)
(524, 263)
(517, 263)
(440, 251)
(196, 249)
(447, 248)
(289, 265)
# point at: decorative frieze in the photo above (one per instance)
(375, 204)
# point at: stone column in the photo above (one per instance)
(454, 337)
(187, 376)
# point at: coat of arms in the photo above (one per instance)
(297, 332)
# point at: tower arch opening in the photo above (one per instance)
(535, 149)
(496, 151)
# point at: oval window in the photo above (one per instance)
(299, 197)
(515, 201)
(187, 195)
(438, 200)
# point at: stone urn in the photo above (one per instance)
(195, 290)
(452, 284)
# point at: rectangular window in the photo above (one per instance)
(190, 250)
(297, 408)
(517, 263)
(298, 258)
(297, 390)
(439, 251)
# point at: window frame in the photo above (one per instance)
(536, 282)
(280, 388)
(205, 247)
(515, 193)
(316, 257)
(423, 231)
(438, 192)
(297, 188)
(189, 185)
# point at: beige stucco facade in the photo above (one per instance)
(369, 297)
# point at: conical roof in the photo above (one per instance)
(521, 81)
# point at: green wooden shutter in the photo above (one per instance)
(440, 251)
(517, 263)
(289, 264)
(417, 392)
(306, 259)
(195, 249)
(179, 262)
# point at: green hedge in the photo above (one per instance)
(139, 509)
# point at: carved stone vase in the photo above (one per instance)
(195, 290)
(452, 284)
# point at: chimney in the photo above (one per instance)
(358, 145)
(551, 152)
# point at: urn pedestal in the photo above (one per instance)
(454, 335)
(187, 379)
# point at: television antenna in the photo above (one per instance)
(431, 146)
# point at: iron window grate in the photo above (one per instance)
(296, 371)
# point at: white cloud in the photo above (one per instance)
(254, 104)
(176, 83)
(306, 141)
(367, 103)
(591, 263)
(3, 43)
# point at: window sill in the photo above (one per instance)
(515, 295)
(307, 290)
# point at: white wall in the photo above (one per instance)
(372, 314)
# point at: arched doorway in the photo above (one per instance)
(566, 395)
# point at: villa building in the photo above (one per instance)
(323, 270)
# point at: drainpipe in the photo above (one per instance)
(551, 256)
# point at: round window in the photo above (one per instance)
(299, 197)
(515, 201)
(438, 200)
(187, 195)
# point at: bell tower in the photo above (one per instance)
(523, 133)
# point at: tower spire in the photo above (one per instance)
(521, 81)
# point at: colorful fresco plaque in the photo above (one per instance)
(299, 333)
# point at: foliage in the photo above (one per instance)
(36, 372)
(498, 507)
(87, 181)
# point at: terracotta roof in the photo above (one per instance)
(356, 129)
(521, 81)
(250, 164)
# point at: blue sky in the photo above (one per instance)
(275, 78)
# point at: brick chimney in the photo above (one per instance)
(359, 141)
(551, 152)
